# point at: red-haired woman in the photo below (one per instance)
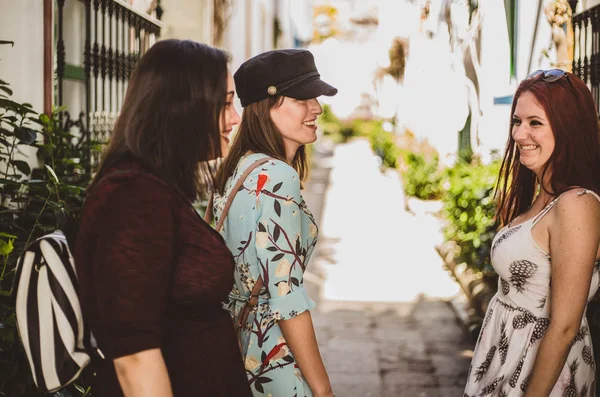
(535, 339)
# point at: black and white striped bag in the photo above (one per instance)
(57, 342)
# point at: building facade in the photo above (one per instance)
(79, 53)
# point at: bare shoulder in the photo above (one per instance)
(578, 206)
(278, 171)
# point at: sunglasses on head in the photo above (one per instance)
(549, 76)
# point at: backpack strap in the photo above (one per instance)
(253, 298)
(232, 194)
(250, 304)
(209, 209)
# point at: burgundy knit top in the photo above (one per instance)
(153, 274)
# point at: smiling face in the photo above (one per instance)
(229, 116)
(296, 121)
(532, 132)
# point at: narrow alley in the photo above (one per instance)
(384, 320)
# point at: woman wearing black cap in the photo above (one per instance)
(268, 226)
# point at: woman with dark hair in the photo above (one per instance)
(535, 338)
(152, 273)
(268, 227)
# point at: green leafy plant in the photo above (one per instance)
(416, 160)
(470, 211)
(330, 124)
(343, 130)
(383, 143)
(16, 133)
(33, 193)
(422, 176)
(66, 158)
(418, 163)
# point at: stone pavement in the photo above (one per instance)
(383, 319)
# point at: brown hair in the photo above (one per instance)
(170, 115)
(575, 161)
(258, 134)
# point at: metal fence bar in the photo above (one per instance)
(595, 56)
(60, 52)
(87, 65)
(586, 58)
(115, 37)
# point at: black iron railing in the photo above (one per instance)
(116, 35)
(586, 65)
(586, 59)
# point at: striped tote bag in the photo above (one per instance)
(56, 340)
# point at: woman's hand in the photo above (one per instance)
(143, 374)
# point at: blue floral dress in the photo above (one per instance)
(271, 233)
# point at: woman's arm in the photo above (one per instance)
(132, 267)
(574, 240)
(282, 244)
(300, 336)
(143, 374)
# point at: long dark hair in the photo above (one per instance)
(170, 115)
(257, 133)
(575, 161)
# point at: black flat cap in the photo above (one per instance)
(291, 73)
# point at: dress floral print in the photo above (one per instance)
(517, 318)
(271, 233)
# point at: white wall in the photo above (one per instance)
(250, 29)
(495, 67)
(234, 38)
(264, 29)
(526, 15)
(74, 38)
(188, 19)
(251, 26)
(495, 80)
(587, 4)
(300, 18)
(284, 13)
(22, 65)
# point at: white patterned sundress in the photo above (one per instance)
(517, 318)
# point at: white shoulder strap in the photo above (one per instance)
(544, 211)
(586, 191)
(553, 202)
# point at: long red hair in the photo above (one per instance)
(575, 161)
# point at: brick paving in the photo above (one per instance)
(383, 319)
